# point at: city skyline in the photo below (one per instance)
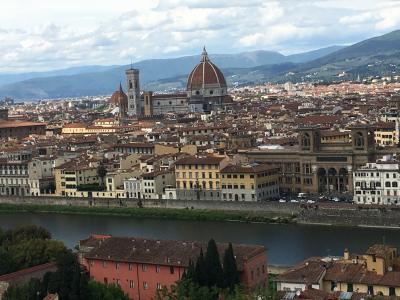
(44, 36)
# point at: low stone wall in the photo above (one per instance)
(321, 213)
(352, 216)
(272, 207)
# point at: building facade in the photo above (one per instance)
(256, 182)
(377, 183)
(371, 274)
(143, 266)
(315, 167)
(199, 177)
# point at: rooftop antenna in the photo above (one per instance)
(131, 64)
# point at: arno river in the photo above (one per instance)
(286, 244)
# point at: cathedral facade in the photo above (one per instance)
(206, 90)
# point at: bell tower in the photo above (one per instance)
(309, 138)
(134, 104)
(362, 138)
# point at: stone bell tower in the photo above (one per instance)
(309, 138)
(134, 104)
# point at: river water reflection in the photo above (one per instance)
(286, 244)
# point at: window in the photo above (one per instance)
(157, 269)
(145, 285)
(144, 267)
(370, 290)
(350, 287)
(333, 285)
(374, 258)
(392, 291)
(104, 264)
(130, 267)
(171, 270)
(118, 282)
(105, 280)
(116, 266)
(131, 284)
(159, 286)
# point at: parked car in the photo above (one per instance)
(294, 201)
(310, 201)
(282, 201)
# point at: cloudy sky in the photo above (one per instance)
(40, 35)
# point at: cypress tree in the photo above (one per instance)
(230, 271)
(200, 276)
(190, 273)
(213, 265)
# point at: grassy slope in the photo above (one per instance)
(157, 213)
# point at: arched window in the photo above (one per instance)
(359, 140)
(306, 141)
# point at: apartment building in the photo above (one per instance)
(253, 182)
(373, 273)
(75, 174)
(377, 183)
(41, 174)
(149, 185)
(14, 177)
(198, 177)
(143, 266)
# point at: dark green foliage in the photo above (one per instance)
(207, 280)
(230, 271)
(213, 265)
(28, 253)
(90, 187)
(28, 232)
(26, 247)
(68, 281)
(101, 171)
(101, 291)
(7, 264)
(200, 275)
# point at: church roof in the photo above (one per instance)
(205, 73)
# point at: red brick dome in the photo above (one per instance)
(205, 74)
(114, 100)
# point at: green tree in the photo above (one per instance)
(33, 252)
(101, 172)
(200, 270)
(213, 265)
(33, 290)
(7, 264)
(101, 291)
(68, 281)
(230, 271)
(29, 232)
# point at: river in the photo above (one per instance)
(286, 244)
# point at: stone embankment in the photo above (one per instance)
(343, 214)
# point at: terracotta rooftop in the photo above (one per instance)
(164, 252)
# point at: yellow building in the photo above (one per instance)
(385, 134)
(255, 182)
(73, 175)
(373, 273)
(199, 177)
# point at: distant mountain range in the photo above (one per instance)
(375, 56)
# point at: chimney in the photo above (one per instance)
(346, 255)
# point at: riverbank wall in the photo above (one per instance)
(286, 209)
(335, 214)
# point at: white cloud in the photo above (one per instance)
(48, 34)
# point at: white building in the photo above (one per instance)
(377, 183)
(133, 188)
